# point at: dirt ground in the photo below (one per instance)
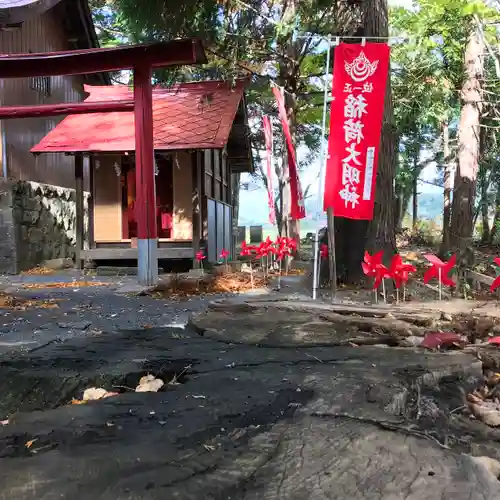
(268, 407)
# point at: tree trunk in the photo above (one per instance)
(448, 165)
(406, 203)
(398, 212)
(381, 231)
(485, 221)
(496, 218)
(414, 215)
(464, 191)
(485, 178)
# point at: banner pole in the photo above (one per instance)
(271, 174)
(316, 270)
(287, 194)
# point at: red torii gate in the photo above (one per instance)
(142, 59)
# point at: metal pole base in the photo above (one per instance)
(147, 262)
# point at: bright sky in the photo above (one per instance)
(400, 3)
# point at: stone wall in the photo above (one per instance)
(37, 223)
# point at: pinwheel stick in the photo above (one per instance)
(279, 274)
(397, 295)
(383, 291)
(440, 286)
(375, 291)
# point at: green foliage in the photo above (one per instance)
(267, 40)
(428, 76)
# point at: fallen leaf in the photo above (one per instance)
(209, 447)
(19, 304)
(39, 271)
(63, 284)
(96, 393)
(77, 402)
(486, 412)
(29, 443)
(4, 422)
(149, 383)
(439, 340)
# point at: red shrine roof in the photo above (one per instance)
(195, 115)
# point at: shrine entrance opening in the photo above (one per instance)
(164, 205)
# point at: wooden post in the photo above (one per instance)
(197, 224)
(91, 200)
(331, 252)
(147, 261)
(79, 223)
(202, 158)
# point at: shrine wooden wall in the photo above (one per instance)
(217, 175)
(44, 33)
(107, 199)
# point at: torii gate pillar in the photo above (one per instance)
(147, 238)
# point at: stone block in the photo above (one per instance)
(235, 265)
(56, 264)
(36, 224)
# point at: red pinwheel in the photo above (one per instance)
(272, 249)
(282, 252)
(246, 250)
(224, 254)
(268, 244)
(280, 241)
(440, 270)
(262, 250)
(399, 271)
(281, 248)
(496, 281)
(292, 244)
(373, 267)
(323, 251)
(200, 256)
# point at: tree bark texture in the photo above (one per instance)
(464, 191)
(484, 179)
(496, 218)
(448, 167)
(414, 215)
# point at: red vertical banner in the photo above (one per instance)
(297, 208)
(359, 82)
(268, 135)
